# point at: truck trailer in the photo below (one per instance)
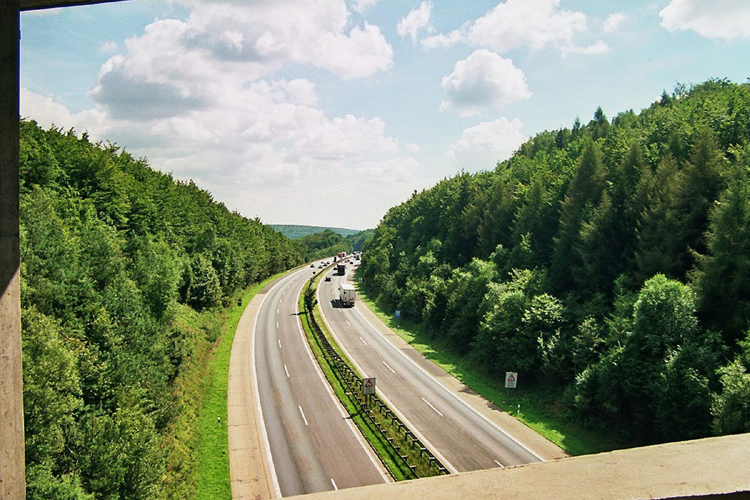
(347, 294)
(341, 269)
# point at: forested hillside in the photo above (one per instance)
(122, 267)
(293, 232)
(326, 243)
(609, 263)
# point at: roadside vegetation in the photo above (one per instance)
(607, 263)
(127, 276)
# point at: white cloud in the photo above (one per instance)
(363, 5)
(48, 112)
(719, 19)
(256, 38)
(415, 20)
(361, 54)
(483, 80)
(500, 138)
(597, 48)
(516, 23)
(441, 40)
(614, 21)
(108, 47)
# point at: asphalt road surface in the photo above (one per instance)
(462, 438)
(313, 445)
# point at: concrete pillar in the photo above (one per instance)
(12, 480)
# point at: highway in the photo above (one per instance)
(459, 436)
(313, 445)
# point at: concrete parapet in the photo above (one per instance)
(704, 468)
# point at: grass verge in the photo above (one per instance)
(213, 458)
(539, 409)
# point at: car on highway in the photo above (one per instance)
(328, 278)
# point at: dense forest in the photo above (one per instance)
(327, 243)
(121, 269)
(608, 263)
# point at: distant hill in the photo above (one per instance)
(293, 232)
(326, 241)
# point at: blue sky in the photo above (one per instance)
(329, 112)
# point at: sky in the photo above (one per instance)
(329, 112)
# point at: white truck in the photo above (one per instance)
(347, 294)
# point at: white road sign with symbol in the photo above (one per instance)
(511, 378)
(368, 386)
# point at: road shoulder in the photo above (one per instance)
(248, 467)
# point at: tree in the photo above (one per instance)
(607, 241)
(583, 194)
(675, 223)
(723, 275)
(204, 288)
(731, 408)
(51, 387)
(466, 291)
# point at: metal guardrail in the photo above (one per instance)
(372, 407)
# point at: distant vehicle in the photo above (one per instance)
(347, 294)
(312, 265)
(341, 255)
(341, 269)
(328, 278)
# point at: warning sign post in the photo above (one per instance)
(368, 386)
(511, 379)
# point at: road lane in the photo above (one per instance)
(313, 446)
(461, 436)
